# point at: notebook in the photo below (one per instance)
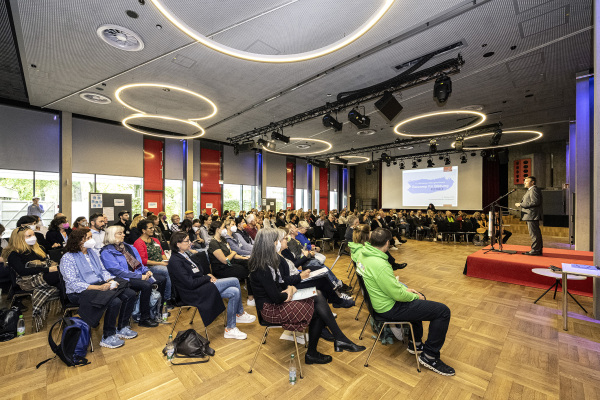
(307, 293)
(314, 274)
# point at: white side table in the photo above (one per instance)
(557, 277)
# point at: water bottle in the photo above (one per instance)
(170, 349)
(292, 370)
(21, 326)
(165, 312)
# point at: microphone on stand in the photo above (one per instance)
(512, 191)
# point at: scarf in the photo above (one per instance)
(83, 265)
(133, 263)
(44, 297)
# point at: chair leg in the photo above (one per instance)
(264, 338)
(206, 332)
(359, 309)
(373, 348)
(175, 324)
(305, 340)
(348, 269)
(412, 335)
(298, 355)
(193, 315)
(336, 260)
(357, 293)
(364, 326)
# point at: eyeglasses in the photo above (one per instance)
(185, 241)
(23, 228)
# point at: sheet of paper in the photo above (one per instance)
(152, 204)
(119, 202)
(209, 205)
(109, 212)
(302, 294)
(96, 200)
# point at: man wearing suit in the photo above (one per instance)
(531, 212)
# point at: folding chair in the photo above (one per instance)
(319, 237)
(343, 247)
(379, 318)
(17, 293)
(68, 308)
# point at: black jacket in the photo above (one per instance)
(195, 288)
(266, 289)
(54, 237)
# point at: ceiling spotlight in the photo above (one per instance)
(495, 140)
(458, 143)
(473, 154)
(361, 121)
(330, 122)
(447, 161)
(442, 88)
(419, 159)
(395, 162)
(463, 159)
(432, 146)
(388, 105)
(441, 157)
(275, 135)
(243, 147)
(415, 165)
(483, 153)
(402, 165)
(268, 144)
(430, 163)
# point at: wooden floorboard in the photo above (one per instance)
(501, 344)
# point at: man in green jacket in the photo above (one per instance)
(395, 302)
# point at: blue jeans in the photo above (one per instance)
(230, 289)
(161, 270)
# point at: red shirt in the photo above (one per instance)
(251, 231)
(140, 246)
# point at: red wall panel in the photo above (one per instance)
(210, 174)
(153, 197)
(290, 183)
(324, 189)
(153, 174)
(522, 170)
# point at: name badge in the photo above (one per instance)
(195, 269)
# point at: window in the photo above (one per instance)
(302, 199)
(174, 197)
(333, 200)
(249, 196)
(196, 198)
(83, 185)
(123, 184)
(277, 193)
(317, 200)
(47, 185)
(232, 197)
(16, 192)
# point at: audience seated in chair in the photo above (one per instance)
(57, 233)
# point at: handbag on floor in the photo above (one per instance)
(190, 344)
(9, 318)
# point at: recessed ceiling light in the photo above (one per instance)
(305, 142)
(304, 146)
(121, 38)
(166, 88)
(489, 54)
(195, 135)
(405, 148)
(95, 98)
(282, 58)
(131, 14)
(473, 107)
(366, 132)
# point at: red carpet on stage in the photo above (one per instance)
(516, 268)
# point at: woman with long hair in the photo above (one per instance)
(89, 284)
(57, 232)
(274, 301)
(34, 271)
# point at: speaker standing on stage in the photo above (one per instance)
(531, 212)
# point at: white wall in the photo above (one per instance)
(469, 183)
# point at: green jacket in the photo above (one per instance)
(355, 249)
(380, 281)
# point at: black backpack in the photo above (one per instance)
(75, 341)
(8, 323)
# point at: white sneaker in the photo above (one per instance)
(344, 296)
(334, 315)
(397, 331)
(393, 248)
(287, 335)
(234, 333)
(245, 318)
(251, 303)
(397, 241)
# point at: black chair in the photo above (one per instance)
(15, 292)
(68, 308)
(319, 237)
(269, 326)
(383, 321)
(343, 248)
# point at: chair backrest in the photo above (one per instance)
(205, 262)
(467, 226)
(62, 288)
(343, 246)
(341, 231)
(318, 232)
(365, 293)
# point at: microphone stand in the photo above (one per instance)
(493, 206)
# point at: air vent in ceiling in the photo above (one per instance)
(121, 38)
(544, 22)
(95, 98)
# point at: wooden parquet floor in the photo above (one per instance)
(501, 345)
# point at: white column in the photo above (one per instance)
(188, 174)
(66, 164)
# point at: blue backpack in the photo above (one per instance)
(74, 344)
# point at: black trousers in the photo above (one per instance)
(417, 311)
(536, 235)
(121, 306)
(237, 269)
(145, 289)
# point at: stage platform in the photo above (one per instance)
(516, 268)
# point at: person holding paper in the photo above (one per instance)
(274, 301)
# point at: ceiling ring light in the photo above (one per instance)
(287, 58)
(465, 148)
(329, 146)
(126, 124)
(361, 160)
(164, 86)
(481, 116)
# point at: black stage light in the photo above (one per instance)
(430, 163)
(415, 165)
(463, 159)
(419, 159)
(402, 165)
(432, 146)
(395, 162)
(269, 144)
(442, 88)
(473, 154)
(242, 147)
(361, 121)
(330, 122)
(458, 143)
(447, 161)
(495, 140)
(483, 153)
(279, 136)
(441, 157)
(388, 105)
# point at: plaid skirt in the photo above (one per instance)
(291, 315)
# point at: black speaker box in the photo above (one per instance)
(389, 106)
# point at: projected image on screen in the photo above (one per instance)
(432, 185)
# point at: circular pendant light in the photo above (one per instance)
(537, 136)
(480, 121)
(126, 124)
(303, 146)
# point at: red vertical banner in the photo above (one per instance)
(290, 178)
(324, 189)
(153, 175)
(210, 175)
